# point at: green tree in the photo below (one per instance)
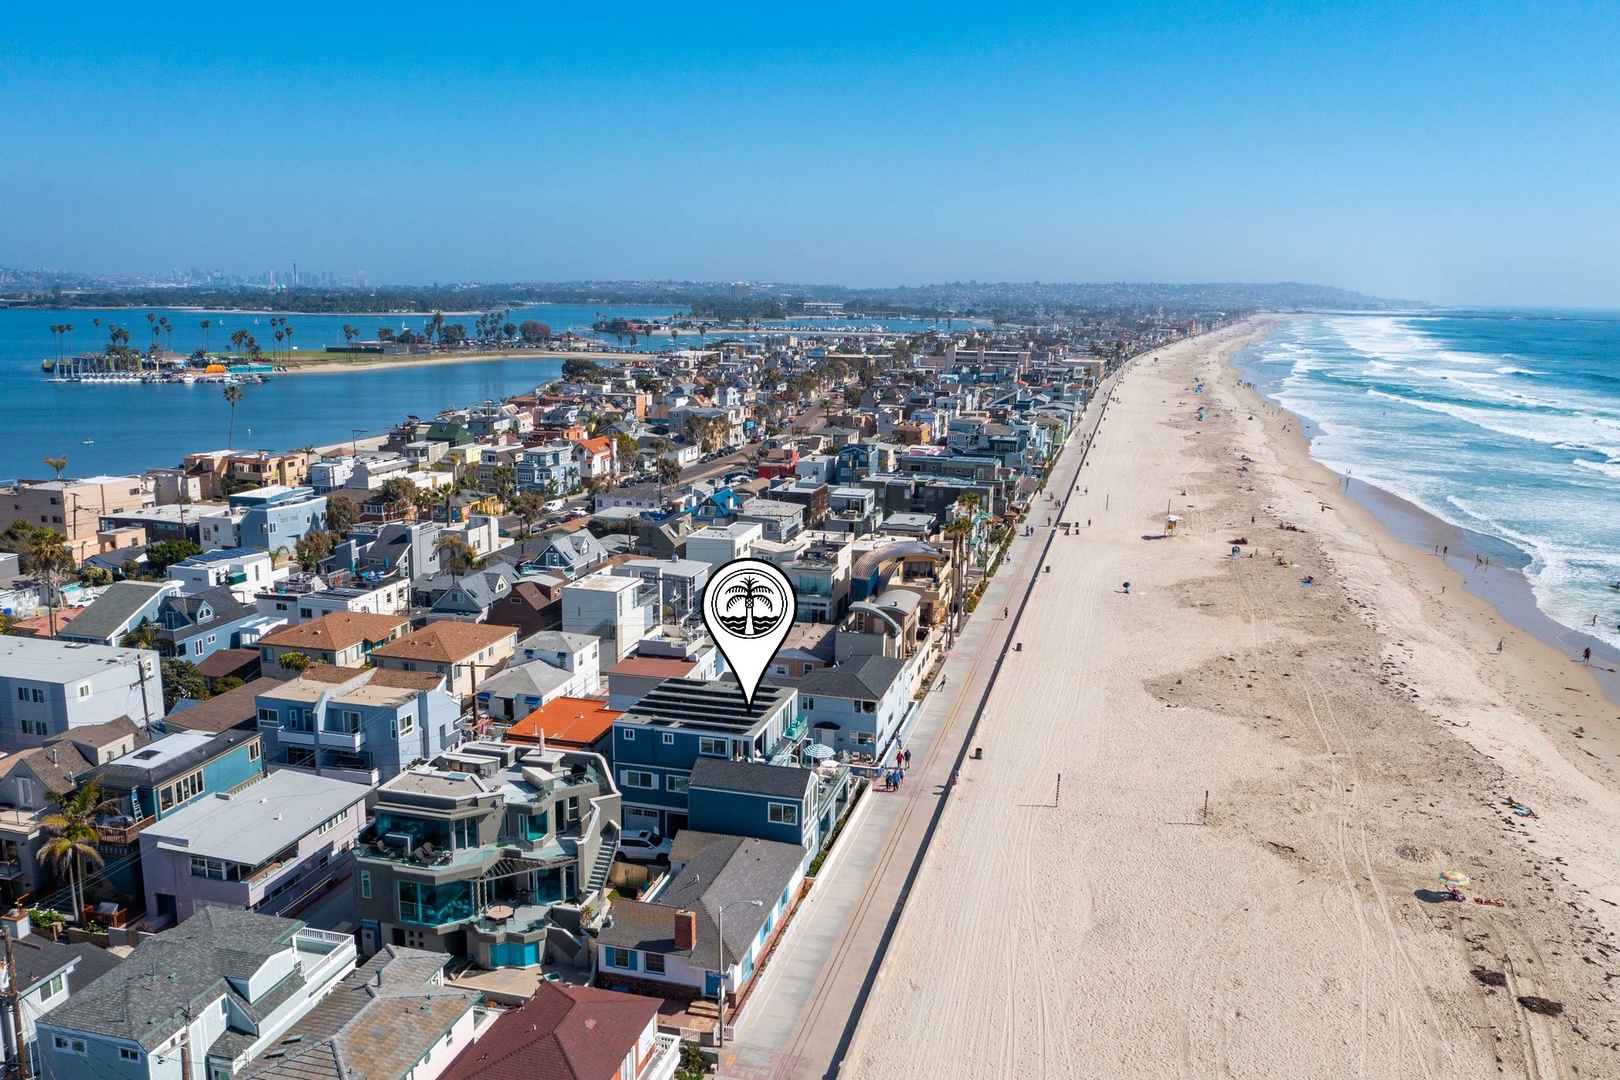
(96, 576)
(534, 333)
(223, 685)
(71, 829)
(668, 470)
(397, 494)
(528, 506)
(342, 513)
(233, 397)
(456, 556)
(165, 553)
(182, 679)
(293, 661)
(627, 451)
(311, 550)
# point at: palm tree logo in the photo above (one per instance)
(761, 604)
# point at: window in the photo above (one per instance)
(331, 823)
(255, 750)
(22, 693)
(84, 691)
(808, 702)
(72, 1046)
(188, 787)
(126, 1054)
(678, 784)
(783, 814)
(210, 639)
(269, 718)
(341, 721)
(864, 738)
(38, 696)
(365, 884)
(635, 779)
(466, 830)
(669, 738)
(35, 727)
(714, 747)
(621, 958)
(52, 988)
(407, 724)
(653, 963)
(629, 735)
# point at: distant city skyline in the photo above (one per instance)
(1440, 152)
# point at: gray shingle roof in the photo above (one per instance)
(866, 678)
(722, 872)
(112, 610)
(751, 777)
(144, 999)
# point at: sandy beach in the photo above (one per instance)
(1351, 739)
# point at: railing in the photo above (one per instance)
(122, 834)
(666, 1056)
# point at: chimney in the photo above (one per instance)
(16, 923)
(686, 930)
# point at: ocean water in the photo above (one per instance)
(130, 428)
(1506, 424)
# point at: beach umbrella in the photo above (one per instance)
(819, 751)
(1454, 877)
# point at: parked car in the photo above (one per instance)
(553, 505)
(643, 846)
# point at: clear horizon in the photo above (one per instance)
(1452, 155)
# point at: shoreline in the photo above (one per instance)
(1503, 584)
(327, 367)
(1214, 805)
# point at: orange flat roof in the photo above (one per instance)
(566, 721)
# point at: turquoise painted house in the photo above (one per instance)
(161, 778)
(750, 798)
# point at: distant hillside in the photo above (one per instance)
(708, 299)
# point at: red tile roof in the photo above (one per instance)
(562, 1033)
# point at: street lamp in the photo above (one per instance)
(720, 958)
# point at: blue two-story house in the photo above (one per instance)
(197, 626)
(750, 798)
(161, 778)
(657, 742)
(363, 725)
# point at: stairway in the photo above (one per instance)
(604, 861)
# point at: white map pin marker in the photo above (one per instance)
(749, 607)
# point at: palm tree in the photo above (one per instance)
(205, 324)
(97, 321)
(958, 531)
(59, 464)
(233, 395)
(456, 556)
(48, 559)
(752, 592)
(73, 836)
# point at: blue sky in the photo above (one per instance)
(1458, 153)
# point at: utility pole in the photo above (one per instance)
(14, 1006)
(146, 707)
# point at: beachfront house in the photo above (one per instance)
(860, 705)
(572, 1033)
(658, 740)
(670, 944)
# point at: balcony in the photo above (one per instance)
(665, 1057)
(121, 830)
(323, 956)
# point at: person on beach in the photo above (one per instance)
(1500, 644)
(1586, 656)
(908, 759)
